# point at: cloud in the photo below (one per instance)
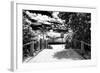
(55, 14)
(44, 18)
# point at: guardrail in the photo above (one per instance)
(33, 48)
(84, 51)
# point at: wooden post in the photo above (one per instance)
(42, 43)
(39, 45)
(82, 47)
(46, 44)
(32, 49)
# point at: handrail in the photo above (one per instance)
(73, 39)
(83, 42)
(29, 43)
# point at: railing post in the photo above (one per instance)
(82, 47)
(46, 44)
(39, 45)
(32, 49)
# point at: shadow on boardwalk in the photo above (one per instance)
(67, 54)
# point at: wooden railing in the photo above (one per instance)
(34, 47)
(28, 43)
(85, 52)
(28, 49)
(40, 46)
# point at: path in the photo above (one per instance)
(56, 54)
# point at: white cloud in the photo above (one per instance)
(44, 18)
(55, 14)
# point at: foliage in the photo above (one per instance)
(80, 23)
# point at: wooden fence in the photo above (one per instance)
(83, 50)
(33, 48)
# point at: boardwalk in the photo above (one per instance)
(56, 54)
